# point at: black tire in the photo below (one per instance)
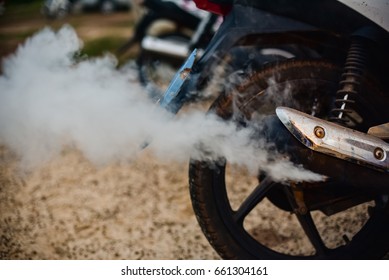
(312, 87)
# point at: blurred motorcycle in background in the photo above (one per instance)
(310, 77)
(167, 32)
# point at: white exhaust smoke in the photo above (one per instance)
(48, 102)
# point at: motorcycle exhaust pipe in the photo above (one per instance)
(347, 156)
(338, 141)
(165, 47)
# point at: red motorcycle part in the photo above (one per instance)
(213, 7)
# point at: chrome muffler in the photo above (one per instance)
(344, 155)
(335, 140)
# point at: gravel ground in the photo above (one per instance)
(70, 209)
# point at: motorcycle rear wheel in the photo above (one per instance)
(258, 234)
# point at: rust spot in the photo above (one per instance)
(185, 73)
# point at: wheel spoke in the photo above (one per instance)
(307, 223)
(312, 233)
(253, 199)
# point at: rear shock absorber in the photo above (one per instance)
(345, 111)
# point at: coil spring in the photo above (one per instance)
(344, 111)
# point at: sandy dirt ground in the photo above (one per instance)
(70, 209)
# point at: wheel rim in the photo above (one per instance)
(234, 222)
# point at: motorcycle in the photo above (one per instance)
(166, 33)
(310, 77)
